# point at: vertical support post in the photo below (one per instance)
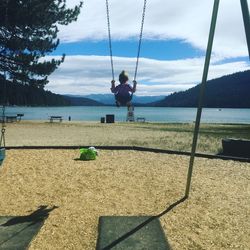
(202, 91)
(246, 19)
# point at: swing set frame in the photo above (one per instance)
(246, 20)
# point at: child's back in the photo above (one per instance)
(123, 91)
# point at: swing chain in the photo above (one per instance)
(110, 44)
(2, 139)
(140, 39)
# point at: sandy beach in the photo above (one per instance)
(153, 135)
(215, 216)
(35, 133)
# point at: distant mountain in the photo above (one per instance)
(81, 101)
(103, 98)
(231, 91)
(109, 98)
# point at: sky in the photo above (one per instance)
(173, 48)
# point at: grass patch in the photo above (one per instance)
(171, 136)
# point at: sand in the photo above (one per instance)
(215, 216)
(90, 133)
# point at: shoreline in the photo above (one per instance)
(113, 105)
(151, 114)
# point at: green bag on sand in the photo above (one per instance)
(87, 154)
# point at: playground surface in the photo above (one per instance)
(127, 183)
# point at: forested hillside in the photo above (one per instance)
(22, 95)
(25, 95)
(231, 91)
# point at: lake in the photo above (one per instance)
(152, 114)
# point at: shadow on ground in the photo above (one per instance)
(16, 232)
(124, 232)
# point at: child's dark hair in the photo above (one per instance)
(123, 77)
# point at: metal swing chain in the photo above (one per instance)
(140, 39)
(110, 44)
(2, 139)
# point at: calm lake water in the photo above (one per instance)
(152, 114)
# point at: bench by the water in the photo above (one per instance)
(140, 119)
(55, 118)
(11, 118)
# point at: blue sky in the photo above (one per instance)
(173, 47)
(154, 49)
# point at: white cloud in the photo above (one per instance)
(165, 19)
(83, 75)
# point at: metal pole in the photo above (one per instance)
(246, 19)
(202, 91)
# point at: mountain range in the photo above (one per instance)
(108, 99)
(230, 91)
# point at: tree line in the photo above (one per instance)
(231, 91)
(12, 93)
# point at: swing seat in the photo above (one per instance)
(2, 155)
(123, 99)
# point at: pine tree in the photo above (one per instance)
(28, 32)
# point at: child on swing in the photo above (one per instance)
(123, 91)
